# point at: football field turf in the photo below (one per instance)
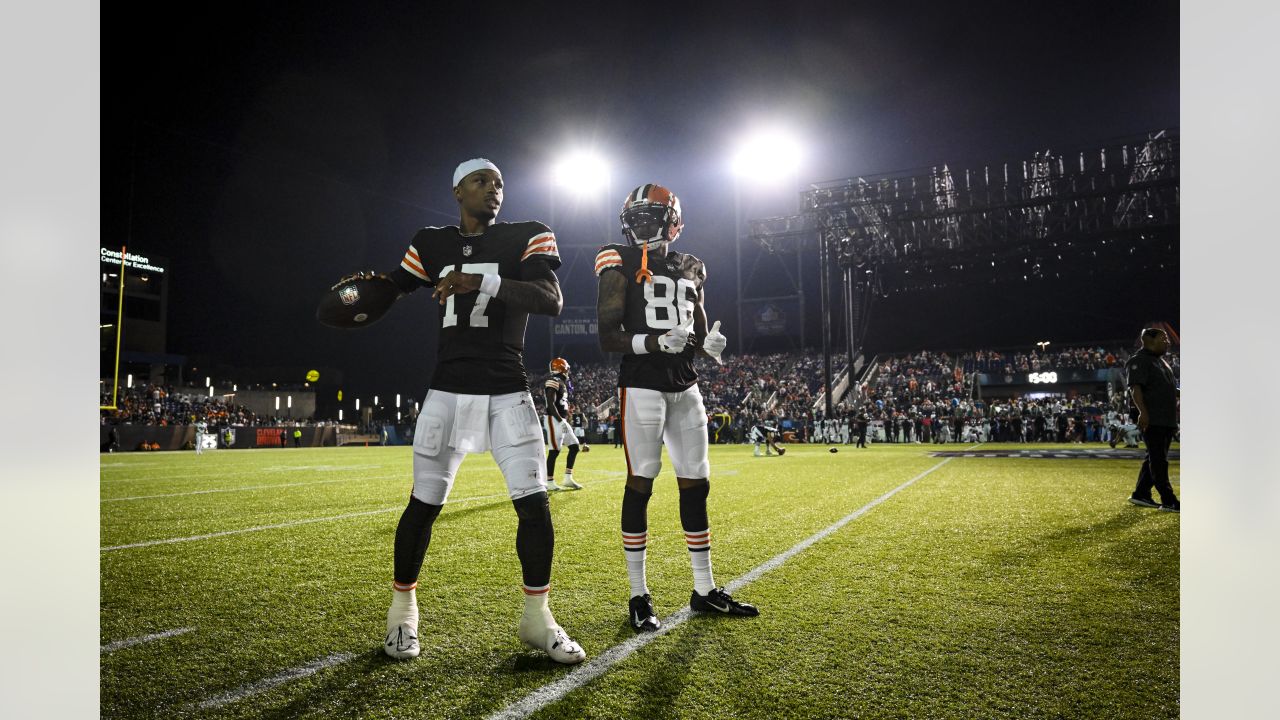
(253, 584)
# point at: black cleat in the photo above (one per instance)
(720, 601)
(643, 618)
(1173, 507)
(1143, 502)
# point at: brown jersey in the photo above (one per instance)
(654, 308)
(481, 344)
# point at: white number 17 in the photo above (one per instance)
(478, 318)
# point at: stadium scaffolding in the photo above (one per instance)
(1110, 211)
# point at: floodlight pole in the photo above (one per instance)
(824, 282)
(737, 254)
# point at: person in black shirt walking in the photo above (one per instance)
(1155, 396)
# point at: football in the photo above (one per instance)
(833, 450)
(357, 302)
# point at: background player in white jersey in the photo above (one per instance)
(201, 429)
(559, 432)
(762, 434)
(650, 309)
(488, 277)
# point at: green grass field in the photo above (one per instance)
(987, 588)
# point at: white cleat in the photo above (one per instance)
(402, 642)
(552, 487)
(554, 641)
(570, 484)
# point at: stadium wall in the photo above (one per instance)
(176, 437)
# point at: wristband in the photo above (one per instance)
(637, 344)
(490, 283)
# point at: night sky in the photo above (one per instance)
(268, 151)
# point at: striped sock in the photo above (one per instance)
(635, 548)
(699, 544)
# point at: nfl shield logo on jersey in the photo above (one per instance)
(349, 295)
(466, 251)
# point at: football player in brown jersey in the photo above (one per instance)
(650, 309)
(488, 277)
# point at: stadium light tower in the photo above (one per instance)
(768, 157)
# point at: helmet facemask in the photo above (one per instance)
(650, 223)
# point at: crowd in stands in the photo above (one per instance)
(163, 405)
(923, 396)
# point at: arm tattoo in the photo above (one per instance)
(610, 309)
(536, 292)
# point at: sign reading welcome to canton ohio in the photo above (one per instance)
(576, 323)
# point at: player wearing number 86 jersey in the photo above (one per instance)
(650, 309)
(664, 301)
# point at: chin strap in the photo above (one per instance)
(643, 275)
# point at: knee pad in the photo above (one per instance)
(432, 480)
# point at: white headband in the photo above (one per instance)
(471, 166)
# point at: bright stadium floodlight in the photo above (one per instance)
(130, 382)
(357, 404)
(581, 171)
(767, 156)
(339, 414)
(277, 402)
(290, 401)
(397, 399)
(207, 381)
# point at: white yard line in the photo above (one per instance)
(245, 691)
(251, 487)
(227, 473)
(276, 526)
(585, 673)
(129, 642)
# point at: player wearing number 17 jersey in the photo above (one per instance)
(650, 308)
(488, 277)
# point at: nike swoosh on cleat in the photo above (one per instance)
(724, 608)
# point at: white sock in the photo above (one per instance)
(404, 606)
(636, 574)
(635, 549)
(537, 607)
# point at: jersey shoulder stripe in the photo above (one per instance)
(541, 244)
(608, 257)
(413, 264)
